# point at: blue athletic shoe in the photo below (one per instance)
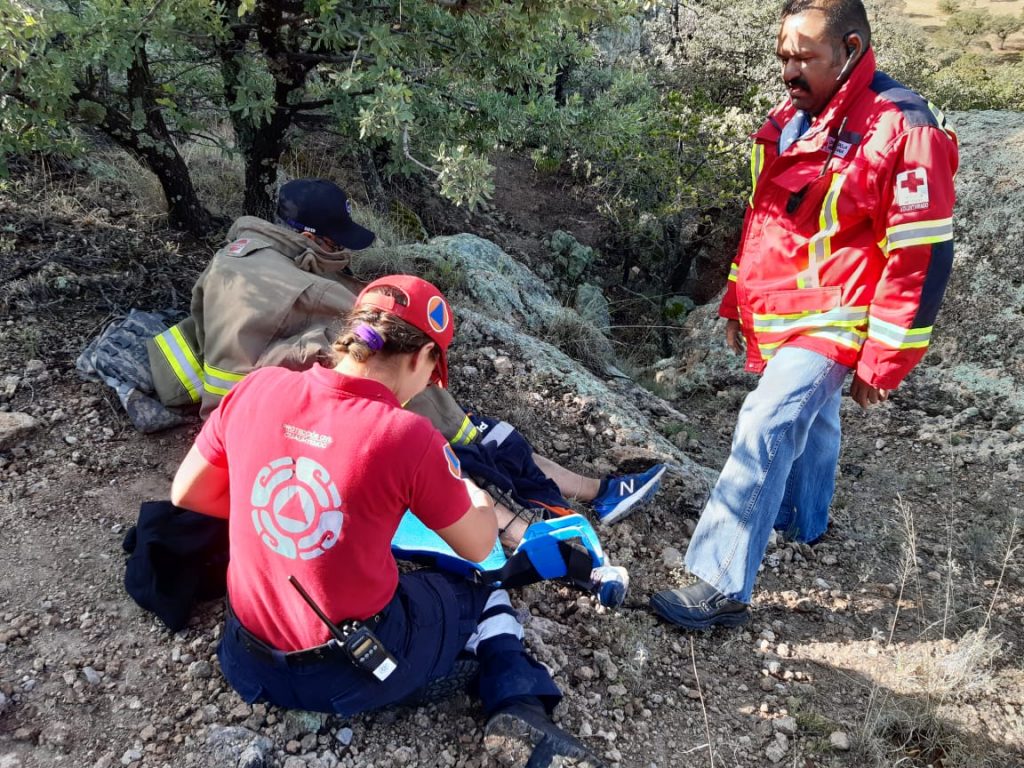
(618, 496)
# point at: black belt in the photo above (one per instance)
(268, 653)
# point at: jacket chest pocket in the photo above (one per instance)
(810, 200)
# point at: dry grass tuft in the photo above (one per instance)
(579, 339)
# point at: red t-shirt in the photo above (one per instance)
(321, 468)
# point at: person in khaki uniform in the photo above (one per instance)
(270, 297)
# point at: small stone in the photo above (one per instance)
(56, 734)
(933, 576)
(200, 670)
(829, 560)
(295, 762)
(92, 676)
(690, 525)
(672, 557)
(775, 752)
(786, 725)
(148, 733)
(783, 650)
(344, 736)
(767, 684)
(404, 755)
(840, 741)
(131, 756)
(585, 673)
(820, 583)
(503, 366)
(297, 723)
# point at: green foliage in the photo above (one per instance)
(1003, 25)
(439, 87)
(969, 25)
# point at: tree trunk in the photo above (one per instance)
(149, 141)
(376, 194)
(262, 143)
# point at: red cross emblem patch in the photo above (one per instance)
(912, 190)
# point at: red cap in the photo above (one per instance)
(425, 309)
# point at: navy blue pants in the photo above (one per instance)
(425, 627)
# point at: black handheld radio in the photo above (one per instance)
(363, 647)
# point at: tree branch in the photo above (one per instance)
(410, 158)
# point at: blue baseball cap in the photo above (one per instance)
(321, 208)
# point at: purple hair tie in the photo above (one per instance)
(369, 334)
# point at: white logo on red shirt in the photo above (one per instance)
(296, 508)
(912, 190)
(307, 436)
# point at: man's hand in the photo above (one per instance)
(864, 394)
(734, 336)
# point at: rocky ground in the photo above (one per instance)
(895, 641)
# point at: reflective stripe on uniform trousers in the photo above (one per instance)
(498, 433)
(219, 381)
(183, 362)
(734, 272)
(896, 337)
(502, 621)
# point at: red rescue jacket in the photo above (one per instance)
(847, 245)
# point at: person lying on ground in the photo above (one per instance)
(313, 470)
(269, 297)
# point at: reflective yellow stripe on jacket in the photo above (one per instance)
(843, 325)
(819, 249)
(756, 166)
(183, 361)
(219, 381)
(898, 338)
(467, 433)
(917, 233)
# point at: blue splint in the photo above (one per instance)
(565, 548)
(540, 544)
(415, 542)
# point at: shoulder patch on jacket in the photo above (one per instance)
(243, 246)
(916, 110)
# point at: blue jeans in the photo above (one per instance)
(780, 473)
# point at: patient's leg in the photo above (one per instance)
(571, 485)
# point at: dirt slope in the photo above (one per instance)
(896, 641)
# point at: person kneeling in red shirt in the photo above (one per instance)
(314, 470)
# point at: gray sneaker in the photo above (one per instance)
(521, 736)
(699, 606)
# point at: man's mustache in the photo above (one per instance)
(798, 82)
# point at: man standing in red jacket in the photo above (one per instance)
(845, 254)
